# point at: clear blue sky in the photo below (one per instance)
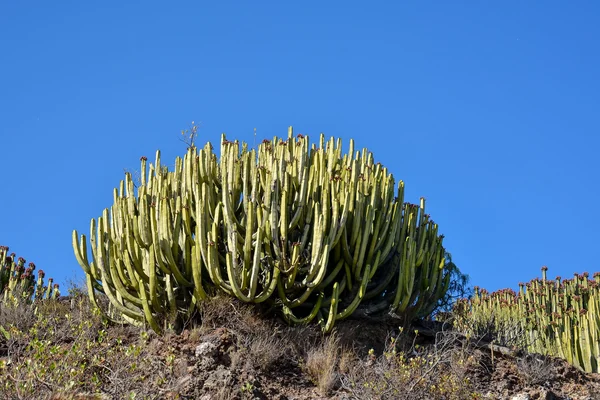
(488, 109)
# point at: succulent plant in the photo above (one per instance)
(315, 232)
(559, 317)
(18, 283)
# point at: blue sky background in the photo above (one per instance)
(488, 109)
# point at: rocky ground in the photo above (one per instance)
(67, 352)
(213, 366)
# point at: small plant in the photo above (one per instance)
(247, 387)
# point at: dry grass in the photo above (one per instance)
(409, 371)
(322, 362)
(535, 369)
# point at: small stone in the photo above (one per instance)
(206, 349)
(217, 378)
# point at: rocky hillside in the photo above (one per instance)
(62, 350)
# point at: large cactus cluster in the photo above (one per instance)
(18, 284)
(555, 317)
(314, 232)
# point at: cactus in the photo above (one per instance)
(555, 317)
(320, 234)
(18, 284)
